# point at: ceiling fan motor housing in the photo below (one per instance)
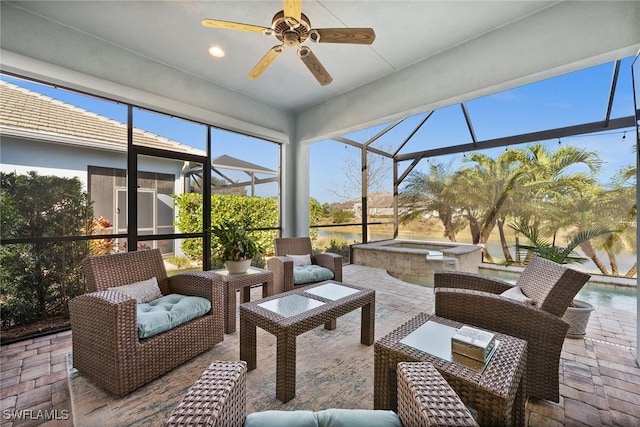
(288, 31)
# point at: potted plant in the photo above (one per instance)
(578, 312)
(235, 247)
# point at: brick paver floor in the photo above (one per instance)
(599, 375)
(33, 377)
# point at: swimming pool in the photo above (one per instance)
(618, 297)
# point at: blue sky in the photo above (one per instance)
(571, 99)
(575, 98)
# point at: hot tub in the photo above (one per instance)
(415, 261)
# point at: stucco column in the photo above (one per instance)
(295, 189)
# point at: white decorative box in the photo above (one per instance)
(473, 343)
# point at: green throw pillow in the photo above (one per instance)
(357, 418)
(281, 419)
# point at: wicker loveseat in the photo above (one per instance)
(218, 398)
(106, 344)
(288, 271)
(550, 287)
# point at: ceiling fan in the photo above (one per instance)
(292, 28)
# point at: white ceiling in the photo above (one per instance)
(160, 47)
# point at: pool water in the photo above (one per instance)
(618, 297)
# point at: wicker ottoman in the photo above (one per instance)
(218, 398)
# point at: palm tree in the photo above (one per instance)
(488, 186)
(426, 193)
(552, 176)
(583, 211)
(550, 179)
(621, 212)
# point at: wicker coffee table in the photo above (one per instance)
(292, 313)
(495, 392)
(244, 281)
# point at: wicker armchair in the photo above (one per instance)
(476, 300)
(106, 347)
(218, 398)
(282, 266)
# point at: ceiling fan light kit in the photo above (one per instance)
(292, 28)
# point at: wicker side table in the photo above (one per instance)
(497, 393)
(243, 281)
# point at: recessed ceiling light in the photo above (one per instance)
(216, 51)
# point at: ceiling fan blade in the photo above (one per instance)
(215, 23)
(266, 60)
(343, 35)
(317, 69)
(293, 9)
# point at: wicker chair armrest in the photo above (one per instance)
(105, 319)
(282, 269)
(205, 284)
(496, 312)
(283, 260)
(331, 261)
(218, 398)
(462, 280)
(426, 399)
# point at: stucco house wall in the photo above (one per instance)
(29, 142)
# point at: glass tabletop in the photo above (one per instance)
(332, 291)
(225, 272)
(290, 305)
(435, 338)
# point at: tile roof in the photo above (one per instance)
(24, 110)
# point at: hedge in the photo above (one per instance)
(263, 213)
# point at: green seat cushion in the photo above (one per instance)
(281, 419)
(325, 418)
(357, 418)
(169, 311)
(310, 274)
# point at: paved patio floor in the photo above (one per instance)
(599, 376)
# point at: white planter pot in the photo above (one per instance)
(236, 267)
(577, 316)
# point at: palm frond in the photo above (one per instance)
(532, 234)
(544, 249)
(585, 235)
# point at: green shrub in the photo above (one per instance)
(342, 217)
(339, 247)
(262, 213)
(38, 279)
(179, 261)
